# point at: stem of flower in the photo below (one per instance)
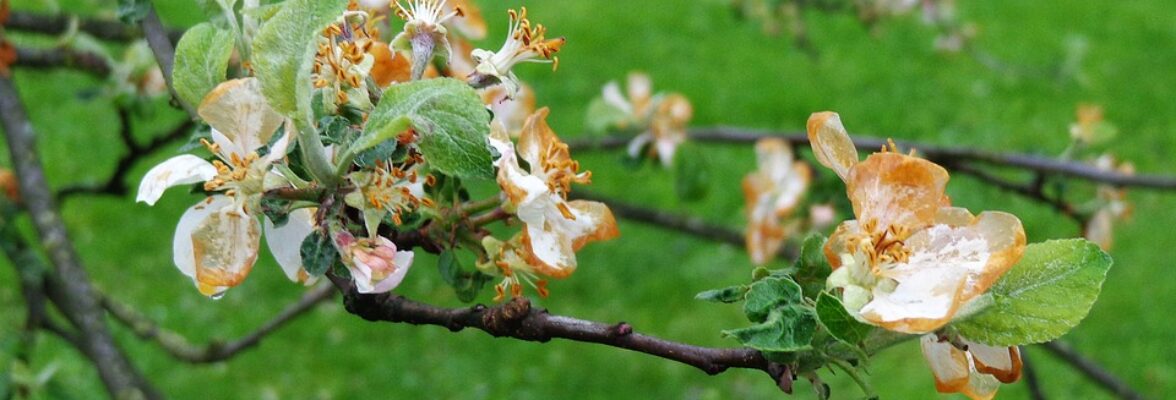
(422, 54)
(857, 378)
(315, 155)
(497, 214)
(477, 206)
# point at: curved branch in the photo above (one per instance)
(517, 319)
(116, 184)
(91, 63)
(1092, 370)
(103, 29)
(939, 154)
(181, 349)
(165, 54)
(1031, 191)
(72, 293)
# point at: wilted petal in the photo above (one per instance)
(613, 97)
(1003, 363)
(981, 387)
(837, 243)
(388, 66)
(237, 109)
(376, 265)
(948, 364)
(831, 143)
(224, 247)
(553, 241)
(470, 23)
(402, 261)
(536, 138)
(179, 170)
(1100, 228)
(285, 242)
(594, 222)
(896, 190)
(638, 143)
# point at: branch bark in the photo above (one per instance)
(108, 30)
(116, 184)
(1092, 370)
(939, 154)
(72, 291)
(165, 54)
(54, 58)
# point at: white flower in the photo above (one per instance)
(217, 239)
(555, 227)
(524, 43)
(664, 117)
(376, 265)
(771, 193)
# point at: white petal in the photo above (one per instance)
(281, 146)
(613, 97)
(227, 147)
(552, 248)
(285, 243)
(182, 252)
(179, 170)
(238, 110)
(639, 143)
(948, 364)
(831, 143)
(666, 146)
(224, 246)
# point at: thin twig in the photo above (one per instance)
(103, 29)
(61, 57)
(1029, 370)
(931, 152)
(181, 349)
(1031, 190)
(71, 292)
(116, 183)
(1092, 370)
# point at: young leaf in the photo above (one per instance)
(733, 294)
(283, 53)
(838, 322)
(812, 269)
(1041, 298)
(202, 57)
(765, 294)
(277, 210)
(449, 117)
(318, 253)
(788, 328)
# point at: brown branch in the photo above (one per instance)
(939, 154)
(1032, 190)
(103, 29)
(181, 349)
(1092, 370)
(1029, 370)
(165, 54)
(54, 58)
(71, 291)
(693, 226)
(116, 184)
(517, 319)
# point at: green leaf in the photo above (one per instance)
(788, 328)
(131, 12)
(768, 293)
(466, 283)
(318, 253)
(838, 322)
(202, 57)
(283, 53)
(277, 210)
(449, 117)
(1041, 298)
(733, 294)
(812, 268)
(386, 132)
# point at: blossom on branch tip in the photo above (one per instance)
(976, 371)
(217, 240)
(524, 43)
(376, 265)
(387, 189)
(1112, 204)
(663, 118)
(909, 261)
(555, 228)
(771, 193)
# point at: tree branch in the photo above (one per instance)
(181, 349)
(1031, 190)
(1092, 370)
(1031, 381)
(116, 184)
(517, 319)
(52, 58)
(109, 30)
(165, 54)
(72, 292)
(934, 153)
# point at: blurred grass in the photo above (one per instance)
(885, 82)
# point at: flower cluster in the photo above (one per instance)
(524, 43)
(910, 262)
(555, 227)
(771, 194)
(662, 119)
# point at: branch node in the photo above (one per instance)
(782, 374)
(621, 329)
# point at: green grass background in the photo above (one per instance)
(888, 81)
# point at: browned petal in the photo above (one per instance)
(238, 110)
(836, 245)
(536, 138)
(1100, 229)
(949, 365)
(831, 143)
(390, 66)
(892, 189)
(543, 268)
(605, 224)
(1006, 239)
(1004, 364)
(225, 248)
(471, 24)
